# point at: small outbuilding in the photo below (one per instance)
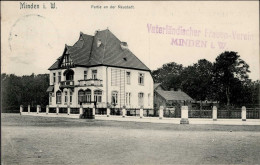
(170, 98)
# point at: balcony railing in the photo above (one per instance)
(67, 83)
(91, 82)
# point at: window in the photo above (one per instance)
(67, 61)
(50, 97)
(58, 97)
(66, 97)
(149, 99)
(141, 99)
(69, 75)
(59, 77)
(98, 42)
(94, 74)
(85, 75)
(114, 98)
(81, 96)
(98, 96)
(88, 95)
(128, 98)
(128, 75)
(54, 78)
(141, 79)
(71, 97)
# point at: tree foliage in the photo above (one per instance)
(197, 80)
(24, 90)
(225, 80)
(230, 71)
(168, 75)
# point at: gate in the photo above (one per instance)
(87, 113)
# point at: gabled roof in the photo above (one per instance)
(85, 52)
(174, 95)
(55, 65)
(155, 85)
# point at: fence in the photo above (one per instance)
(43, 110)
(115, 111)
(74, 110)
(25, 109)
(33, 109)
(133, 112)
(200, 113)
(63, 110)
(224, 112)
(52, 110)
(253, 113)
(171, 112)
(151, 113)
(101, 111)
(234, 113)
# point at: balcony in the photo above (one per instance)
(91, 82)
(66, 84)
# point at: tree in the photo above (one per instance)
(25, 90)
(168, 75)
(197, 80)
(229, 69)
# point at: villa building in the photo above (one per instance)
(100, 69)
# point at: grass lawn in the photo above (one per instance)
(42, 140)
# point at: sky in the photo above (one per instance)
(32, 39)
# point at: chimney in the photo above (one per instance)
(124, 45)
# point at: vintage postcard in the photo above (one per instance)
(130, 82)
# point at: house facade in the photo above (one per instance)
(100, 69)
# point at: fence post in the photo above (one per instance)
(80, 110)
(47, 109)
(141, 112)
(29, 109)
(57, 110)
(21, 109)
(184, 115)
(68, 110)
(123, 111)
(243, 113)
(38, 109)
(161, 112)
(108, 112)
(214, 113)
(93, 112)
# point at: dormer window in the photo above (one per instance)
(98, 43)
(67, 61)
